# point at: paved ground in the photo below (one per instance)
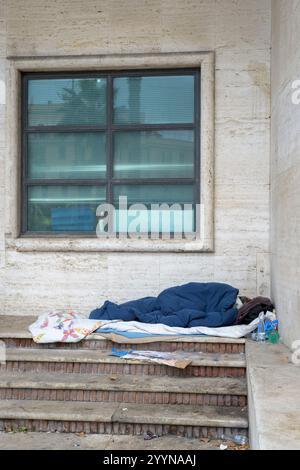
(57, 441)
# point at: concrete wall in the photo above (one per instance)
(239, 33)
(285, 167)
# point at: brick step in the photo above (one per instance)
(100, 362)
(14, 333)
(210, 345)
(124, 388)
(122, 418)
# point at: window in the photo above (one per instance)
(91, 138)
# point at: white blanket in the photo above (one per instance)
(69, 327)
(133, 327)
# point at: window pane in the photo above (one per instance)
(155, 193)
(152, 218)
(64, 208)
(154, 154)
(154, 100)
(67, 155)
(68, 101)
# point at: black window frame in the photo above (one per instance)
(109, 129)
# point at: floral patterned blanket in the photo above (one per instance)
(65, 327)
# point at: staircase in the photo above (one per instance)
(75, 388)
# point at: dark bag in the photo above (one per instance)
(252, 308)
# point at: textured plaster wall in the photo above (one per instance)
(239, 33)
(285, 167)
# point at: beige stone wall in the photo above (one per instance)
(239, 33)
(285, 167)
(2, 145)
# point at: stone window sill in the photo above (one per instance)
(85, 245)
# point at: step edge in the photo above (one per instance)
(15, 355)
(114, 411)
(170, 422)
(204, 390)
(201, 420)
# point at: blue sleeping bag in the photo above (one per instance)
(195, 304)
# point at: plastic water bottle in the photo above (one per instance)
(271, 329)
(236, 438)
(261, 331)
